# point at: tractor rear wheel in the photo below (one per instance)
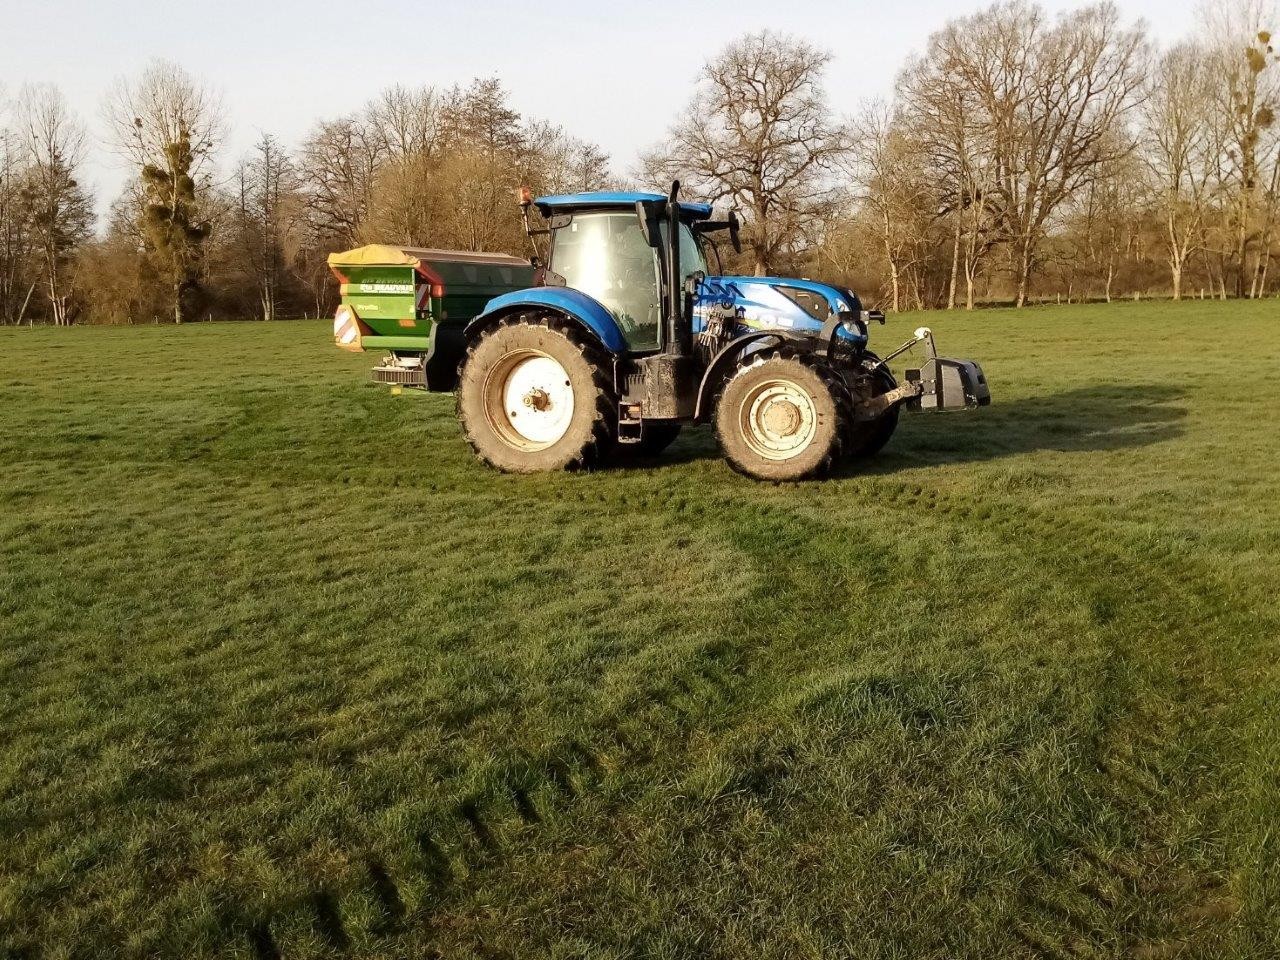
(868, 437)
(535, 395)
(783, 417)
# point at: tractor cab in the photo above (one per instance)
(598, 245)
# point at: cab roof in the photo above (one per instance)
(569, 202)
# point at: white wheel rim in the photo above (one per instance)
(778, 419)
(529, 399)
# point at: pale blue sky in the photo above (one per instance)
(612, 73)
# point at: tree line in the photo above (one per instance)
(418, 167)
(1021, 156)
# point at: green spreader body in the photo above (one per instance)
(409, 300)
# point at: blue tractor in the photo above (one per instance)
(629, 334)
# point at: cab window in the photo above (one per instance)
(606, 257)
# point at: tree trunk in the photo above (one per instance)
(22, 311)
(1024, 272)
(1176, 271)
(1258, 282)
(970, 268)
(955, 267)
(1242, 240)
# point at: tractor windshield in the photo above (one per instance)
(605, 255)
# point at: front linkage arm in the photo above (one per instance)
(939, 383)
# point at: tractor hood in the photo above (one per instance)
(779, 303)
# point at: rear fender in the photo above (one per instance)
(573, 305)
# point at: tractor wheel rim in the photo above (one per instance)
(778, 419)
(529, 400)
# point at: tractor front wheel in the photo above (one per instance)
(783, 417)
(536, 395)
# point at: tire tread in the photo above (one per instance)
(604, 424)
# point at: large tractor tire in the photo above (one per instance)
(868, 437)
(535, 394)
(783, 417)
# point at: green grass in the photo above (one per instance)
(285, 672)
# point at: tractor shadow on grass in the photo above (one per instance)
(1104, 417)
(1096, 418)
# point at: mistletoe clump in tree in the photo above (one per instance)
(170, 224)
(167, 124)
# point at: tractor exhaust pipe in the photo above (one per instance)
(679, 328)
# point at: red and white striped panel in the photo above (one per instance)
(346, 329)
(424, 296)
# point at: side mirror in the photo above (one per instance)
(732, 224)
(650, 214)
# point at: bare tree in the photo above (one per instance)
(1100, 226)
(374, 164)
(486, 140)
(479, 213)
(16, 250)
(266, 206)
(553, 161)
(758, 133)
(423, 167)
(458, 193)
(891, 182)
(1271, 212)
(406, 204)
(147, 115)
(1247, 97)
(1178, 144)
(407, 122)
(1053, 101)
(481, 116)
(340, 160)
(58, 208)
(947, 121)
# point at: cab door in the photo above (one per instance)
(604, 254)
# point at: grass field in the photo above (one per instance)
(284, 672)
